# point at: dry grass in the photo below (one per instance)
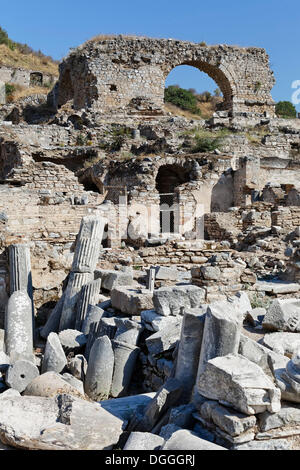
(21, 92)
(26, 61)
(207, 110)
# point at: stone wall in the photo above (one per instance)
(24, 77)
(122, 72)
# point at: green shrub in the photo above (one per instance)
(285, 109)
(184, 99)
(206, 144)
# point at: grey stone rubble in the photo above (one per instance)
(209, 386)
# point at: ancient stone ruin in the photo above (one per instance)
(149, 286)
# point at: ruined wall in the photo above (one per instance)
(24, 77)
(114, 74)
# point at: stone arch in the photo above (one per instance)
(221, 76)
(66, 90)
(36, 79)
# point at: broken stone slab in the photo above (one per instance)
(72, 341)
(72, 292)
(166, 274)
(143, 441)
(76, 383)
(128, 331)
(89, 295)
(50, 384)
(88, 244)
(265, 358)
(170, 300)
(131, 301)
(156, 322)
(20, 374)
(277, 287)
(78, 366)
(164, 339)
(232, 422)
(282, 343)
(18, 327)
(112, 279)
(126, 407)
(63, 423)
(187, 440)
(283, 315)
(9, 393)
(108, 327)
(100, 369)
(189, 349)
(182, 416)
(166, 397)
(222, 330)
(125, 356)
(237, 382)
(54, 357)
(288, 416)
(52, 324)
(93, 315)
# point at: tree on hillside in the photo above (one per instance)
(182, 98)
(285, 109)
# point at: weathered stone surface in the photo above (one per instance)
(99, 374)
(272, 444)
(150, 279)
(9, 393)
(75, 383)
(72, 341)
(265, 358)
(156, 322)
(187, 440)
(125, 359)
(63, 423)
(222, 330)
(164, 339)
(18, 327)
(283, 343)
(88, 244)
(72, 292)
(255, 316)
(189, 349)
(165, 273)
(169, 300)
(182, 415)
(288, 379)
(54, 356)
(112, 279)
(166, 397)
(20, 374)
(4, 361)
(131, 301)
(2, 93)
(93, 315)
(288, 415)
(283, 315)
(239, 383)
(233, 423)
(20, 277)
(89, 295)
(126, 407)
(128, 331)
(49, 385)
(78, 366)
(143, 441)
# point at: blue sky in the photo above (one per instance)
(57, 25)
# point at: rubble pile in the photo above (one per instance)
(181, 374)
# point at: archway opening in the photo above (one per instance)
(168, 178)
(197, 90)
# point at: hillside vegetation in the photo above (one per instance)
(14, 54)
(190, 104)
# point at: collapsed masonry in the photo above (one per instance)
(91, 383)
